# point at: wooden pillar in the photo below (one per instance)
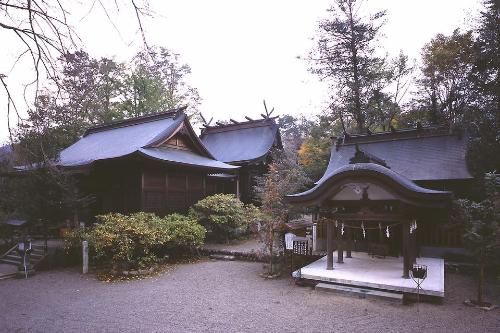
(405, 227)
(314, 237)
(329, 245)
(349, 243)
(340, 249)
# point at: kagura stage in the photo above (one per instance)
(363, 270)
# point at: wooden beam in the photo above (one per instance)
(233, 121)
(248, 118)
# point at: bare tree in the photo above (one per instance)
(42, 30)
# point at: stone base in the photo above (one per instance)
(360, 292)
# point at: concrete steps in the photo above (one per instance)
(360, 292)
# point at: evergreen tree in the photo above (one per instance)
(346, 56)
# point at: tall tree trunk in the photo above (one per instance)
(358, 113)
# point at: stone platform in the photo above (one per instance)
(381, 273)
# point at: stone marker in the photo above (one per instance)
(85, 254)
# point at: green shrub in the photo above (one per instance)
(126, 242)
(223, 214)
(183, 232)
(138, 240)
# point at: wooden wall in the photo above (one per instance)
(169, 191)
(133, 184)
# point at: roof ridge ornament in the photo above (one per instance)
(268, 113)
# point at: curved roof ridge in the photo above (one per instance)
(383, 170)
(366, 169)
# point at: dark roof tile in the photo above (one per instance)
(241, 142)
(415, 156)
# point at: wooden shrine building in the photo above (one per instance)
(245, 144)
(387, 194)
(153, 163)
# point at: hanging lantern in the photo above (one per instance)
(342, 229)
(387, 233)
(363, 228)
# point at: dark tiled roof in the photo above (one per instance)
(367, 169)
(405, 182)
(242, 142)
(427, 154)
(183, 157)
(136, 136)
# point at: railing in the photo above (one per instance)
(9, 251)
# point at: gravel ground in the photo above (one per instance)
(218, 296)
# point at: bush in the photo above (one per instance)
(223, 214)
(136, 241)
(126, 242)
(130, 240)
(183, 232)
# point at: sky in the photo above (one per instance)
(241, 52)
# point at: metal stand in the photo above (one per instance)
(418, 275)
(25, 266)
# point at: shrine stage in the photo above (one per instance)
(379, 273)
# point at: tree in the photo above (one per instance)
(384, 104)
(482, 227)
(314, 153)
(484, 152)
(294, 130)
(486, 70)
(90, 88)
(283, 177)
(444, 86)
(86, 97)
(41, 31)
(158, 81)
(345, 56)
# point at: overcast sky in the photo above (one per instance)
(242, 52)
